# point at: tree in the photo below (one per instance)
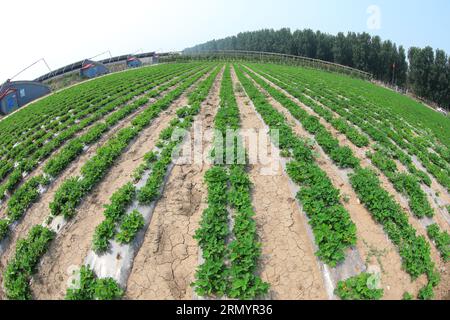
(439, 85)
(421, 62)
(428, 74)
(401, 67)
(325, 44)
(361, 51)
(375, 56)
(342, 50)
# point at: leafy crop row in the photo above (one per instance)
(331, 224)
(358, 288)
(40, 147)
(157, 163)
(441, 239)
(403, 183)
(90, 287)
(351, 111)
(72, 191)
(338, 123)
(23, 265)
(63, 112)
(29, 192)
(379, 123)
(414, 250)
(114, 213)
(125, 227)
(229, 268)
(342, 156)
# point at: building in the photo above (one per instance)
(15, 94)
(155, 59)
(92, 69)
(133, 62)
(147, 58)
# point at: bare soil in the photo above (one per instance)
(438, 194)
(165, 266)
(73, 242)
(288, 263)
(372, 243)
(39, 211)
(39, 169)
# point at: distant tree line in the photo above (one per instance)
(427, 74)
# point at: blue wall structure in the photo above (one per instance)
(16, 94)
(92, 69)
(133, 62)
(77, 65)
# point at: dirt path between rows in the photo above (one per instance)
(165, 266)
(437, 193)
(288, 262)
(443, 290)
(39, 211)
(72, 245)
(372, 243)
(361, 154)
(89, 217)
(39, 169)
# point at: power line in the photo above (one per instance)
(42, 59)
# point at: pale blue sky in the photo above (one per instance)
(66, 31)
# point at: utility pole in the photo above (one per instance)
(393, 74)
(110, 55)
(42, 59)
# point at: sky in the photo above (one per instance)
(67, 31)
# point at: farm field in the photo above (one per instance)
(350, 201)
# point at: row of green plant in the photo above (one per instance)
(114, 213)
(117, 223)
(244, 250)
(414, 250)
(88, 286)
(29, 192)
(404, 183)
(407, 184)
(441, 239)
(404, 135)
(213, 233)
(74, 189)
(341, 106)
(66, 108)
(342, 156)
(229, 268)
(30, 160)
(360, 287)
(377, 122)
(211, 275)
(46, 138)
(58, 163)
(23, 264)
(333, 229)
(391, 107)
(338, 123)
